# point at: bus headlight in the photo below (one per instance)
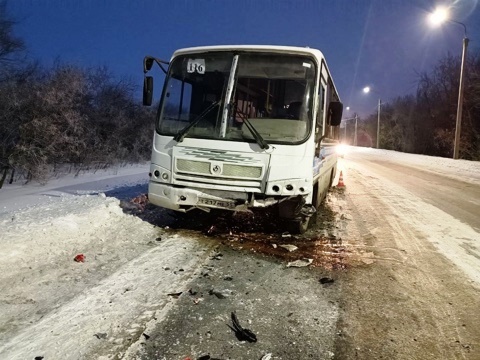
(341, 150)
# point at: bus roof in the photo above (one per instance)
(272, 48)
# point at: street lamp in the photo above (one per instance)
(439, 16)
(355, 135)
(345, 136)
(366, 90)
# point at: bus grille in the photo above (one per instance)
(229, 170)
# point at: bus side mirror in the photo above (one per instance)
(147, 90)
(335, 112)
(147, 63)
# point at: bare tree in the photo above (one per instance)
(11, 46)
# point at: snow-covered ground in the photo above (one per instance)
(19, 196)
(42, 229)
(46, 297)
(464, 170)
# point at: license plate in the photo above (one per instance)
(216, 203)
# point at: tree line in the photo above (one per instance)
(424, 122)
(64, 114)
(85, 117)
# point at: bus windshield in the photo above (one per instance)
(269, 94)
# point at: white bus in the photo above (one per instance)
(240, 127)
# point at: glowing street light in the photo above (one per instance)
(366, 90)
(439, 16)
(356, 121)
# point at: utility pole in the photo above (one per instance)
(458, 126)
(355, 141)
(378, 124)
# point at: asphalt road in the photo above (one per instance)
(455, 197)
(400, 245)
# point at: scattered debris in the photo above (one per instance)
(146, 336)
(38, 357)
(289, 247)
(212, 230)
(100, 335)
(79, 258)
(228, 278)
(207, 357)
(220, 294)
(241, 333)
(326, 281)
(217, 256)
(286, 235)
(175, 295)
(266, 356)
(274, 246)
(300, 263)
(158, 239)
(192, 292)
(346, 217)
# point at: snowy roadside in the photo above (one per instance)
(19, 196)
(55, 307)
(464, 170)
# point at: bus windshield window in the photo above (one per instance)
(274, 92)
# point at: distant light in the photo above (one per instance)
(366, 89)
(439, 16)
(347, 108)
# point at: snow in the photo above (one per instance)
(412, 215)
(46, 297)
(459, 169)
(17, 196)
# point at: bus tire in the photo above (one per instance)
(317, 197)
(299, 226)
(332, 176)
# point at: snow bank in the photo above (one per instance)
(464, 170)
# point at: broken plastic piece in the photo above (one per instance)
(175, 295)
(241, 333)
(300, 263)
(289, 247)
(326, 280)
(79, 258)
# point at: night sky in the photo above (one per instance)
(381, 43)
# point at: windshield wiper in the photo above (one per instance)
(180, 136)
(256, 135)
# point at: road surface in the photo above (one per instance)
(394, 273)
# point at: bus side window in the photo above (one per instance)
(320, 115)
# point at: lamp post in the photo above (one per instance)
(355, 141)
(439, 16)
(355, 136)
(345, 120)
(366, 90)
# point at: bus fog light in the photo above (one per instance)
(183, 198)
(164, 176)
(275, 188)
(156, 173)
(289, 187)
(302, 189)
